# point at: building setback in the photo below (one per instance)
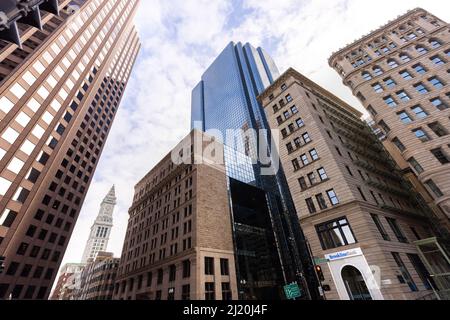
(59, 94)
(359, 216)
(179, 243)
(98, 278)
(400, 73)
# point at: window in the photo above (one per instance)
(420, 113)
(421, 271)
(372, 111)
(389, 82)
(294, 110)
(335, 234)
(283, 87)
(210, 292)
(302, 183)
(321, 201)
(366, 76)
(186, 269)
(314, 154)
(396, 229)
(419, 68)
(405, 58)
(415, 165)
(333, 197)
(437, 60)
(436, 82)
(392, 63)
(226, 291)
(438, 129)
(186, 292)
(224, 267)
(300, 123)
(289, 98)
(402, 95)
(439, 104)
(377, 87)
(295, 164)
(421, 88)
(363, 196)
(384, 126)
(304, 159)
(311, 207)
(440, 156)
(406, 276)
(172, 273)
(421, 50)
(209, 266)
(404, 117)
(7, 218)
(390, 101)
(399, 144)
(421, 135)
(435, 44)
(306, 137)
(171, 294)
(322, 174)
(312, 178)
(377, 71)
(406, 75)
(380, 227)
(434, 188)
(160, 276)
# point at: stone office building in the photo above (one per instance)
(400, 73)
(359, 216)
(62, 78)
(179, 243)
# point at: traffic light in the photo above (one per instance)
(2, 264)
(320, 273)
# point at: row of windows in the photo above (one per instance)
(332, 197)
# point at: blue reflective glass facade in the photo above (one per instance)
(267, 231)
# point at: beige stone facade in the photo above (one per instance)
(59, 95)
(98, 278)
(400, 73)
(352, 203)
(179, 242)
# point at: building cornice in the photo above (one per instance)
(372, 33)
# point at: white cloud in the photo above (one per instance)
(180, 39)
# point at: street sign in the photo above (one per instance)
(320, 260)
(292, 291)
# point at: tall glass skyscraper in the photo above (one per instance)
(270, 247)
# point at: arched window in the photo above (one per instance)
(405, 57)
(355, 284)
(366, 76)
(377, 71)
(435, 43)
(421, 49)
(392, 63)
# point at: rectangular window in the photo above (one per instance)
(406, 276)
(404, 117)
(420, 113)
(380, 227)
(390, 101)
(421, 135)
(321, 201)
(399, 144)
(311, 207)
(210, 291)
(304, 159)
(224, 267)
(438, 129)
(314, 154)
(377, 87)
(390, 83)
(419, 69)
(322, 174)
(312, 178)
(406, 75)
(336, 233)
(440, 155)
(416, 165)
(396, 229)
(402, 95)
(421, 271)
(302, 183)
(209, 266)
(226, 291)
(333, 197)
(421, 88)
(437, 60)
(186, 292)
(434, 188)
(436, 82)
(186, 269)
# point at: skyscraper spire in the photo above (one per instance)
(101, 229)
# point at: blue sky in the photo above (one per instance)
(180, 38)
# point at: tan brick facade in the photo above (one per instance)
(410, 55)
(341, 180)
(179, 238)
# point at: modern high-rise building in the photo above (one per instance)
(69, 282)
(179, 242)
(60, 89)
(97, 278)
(101, 229)
(400, 74)
(270, 247)
(360, 216)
